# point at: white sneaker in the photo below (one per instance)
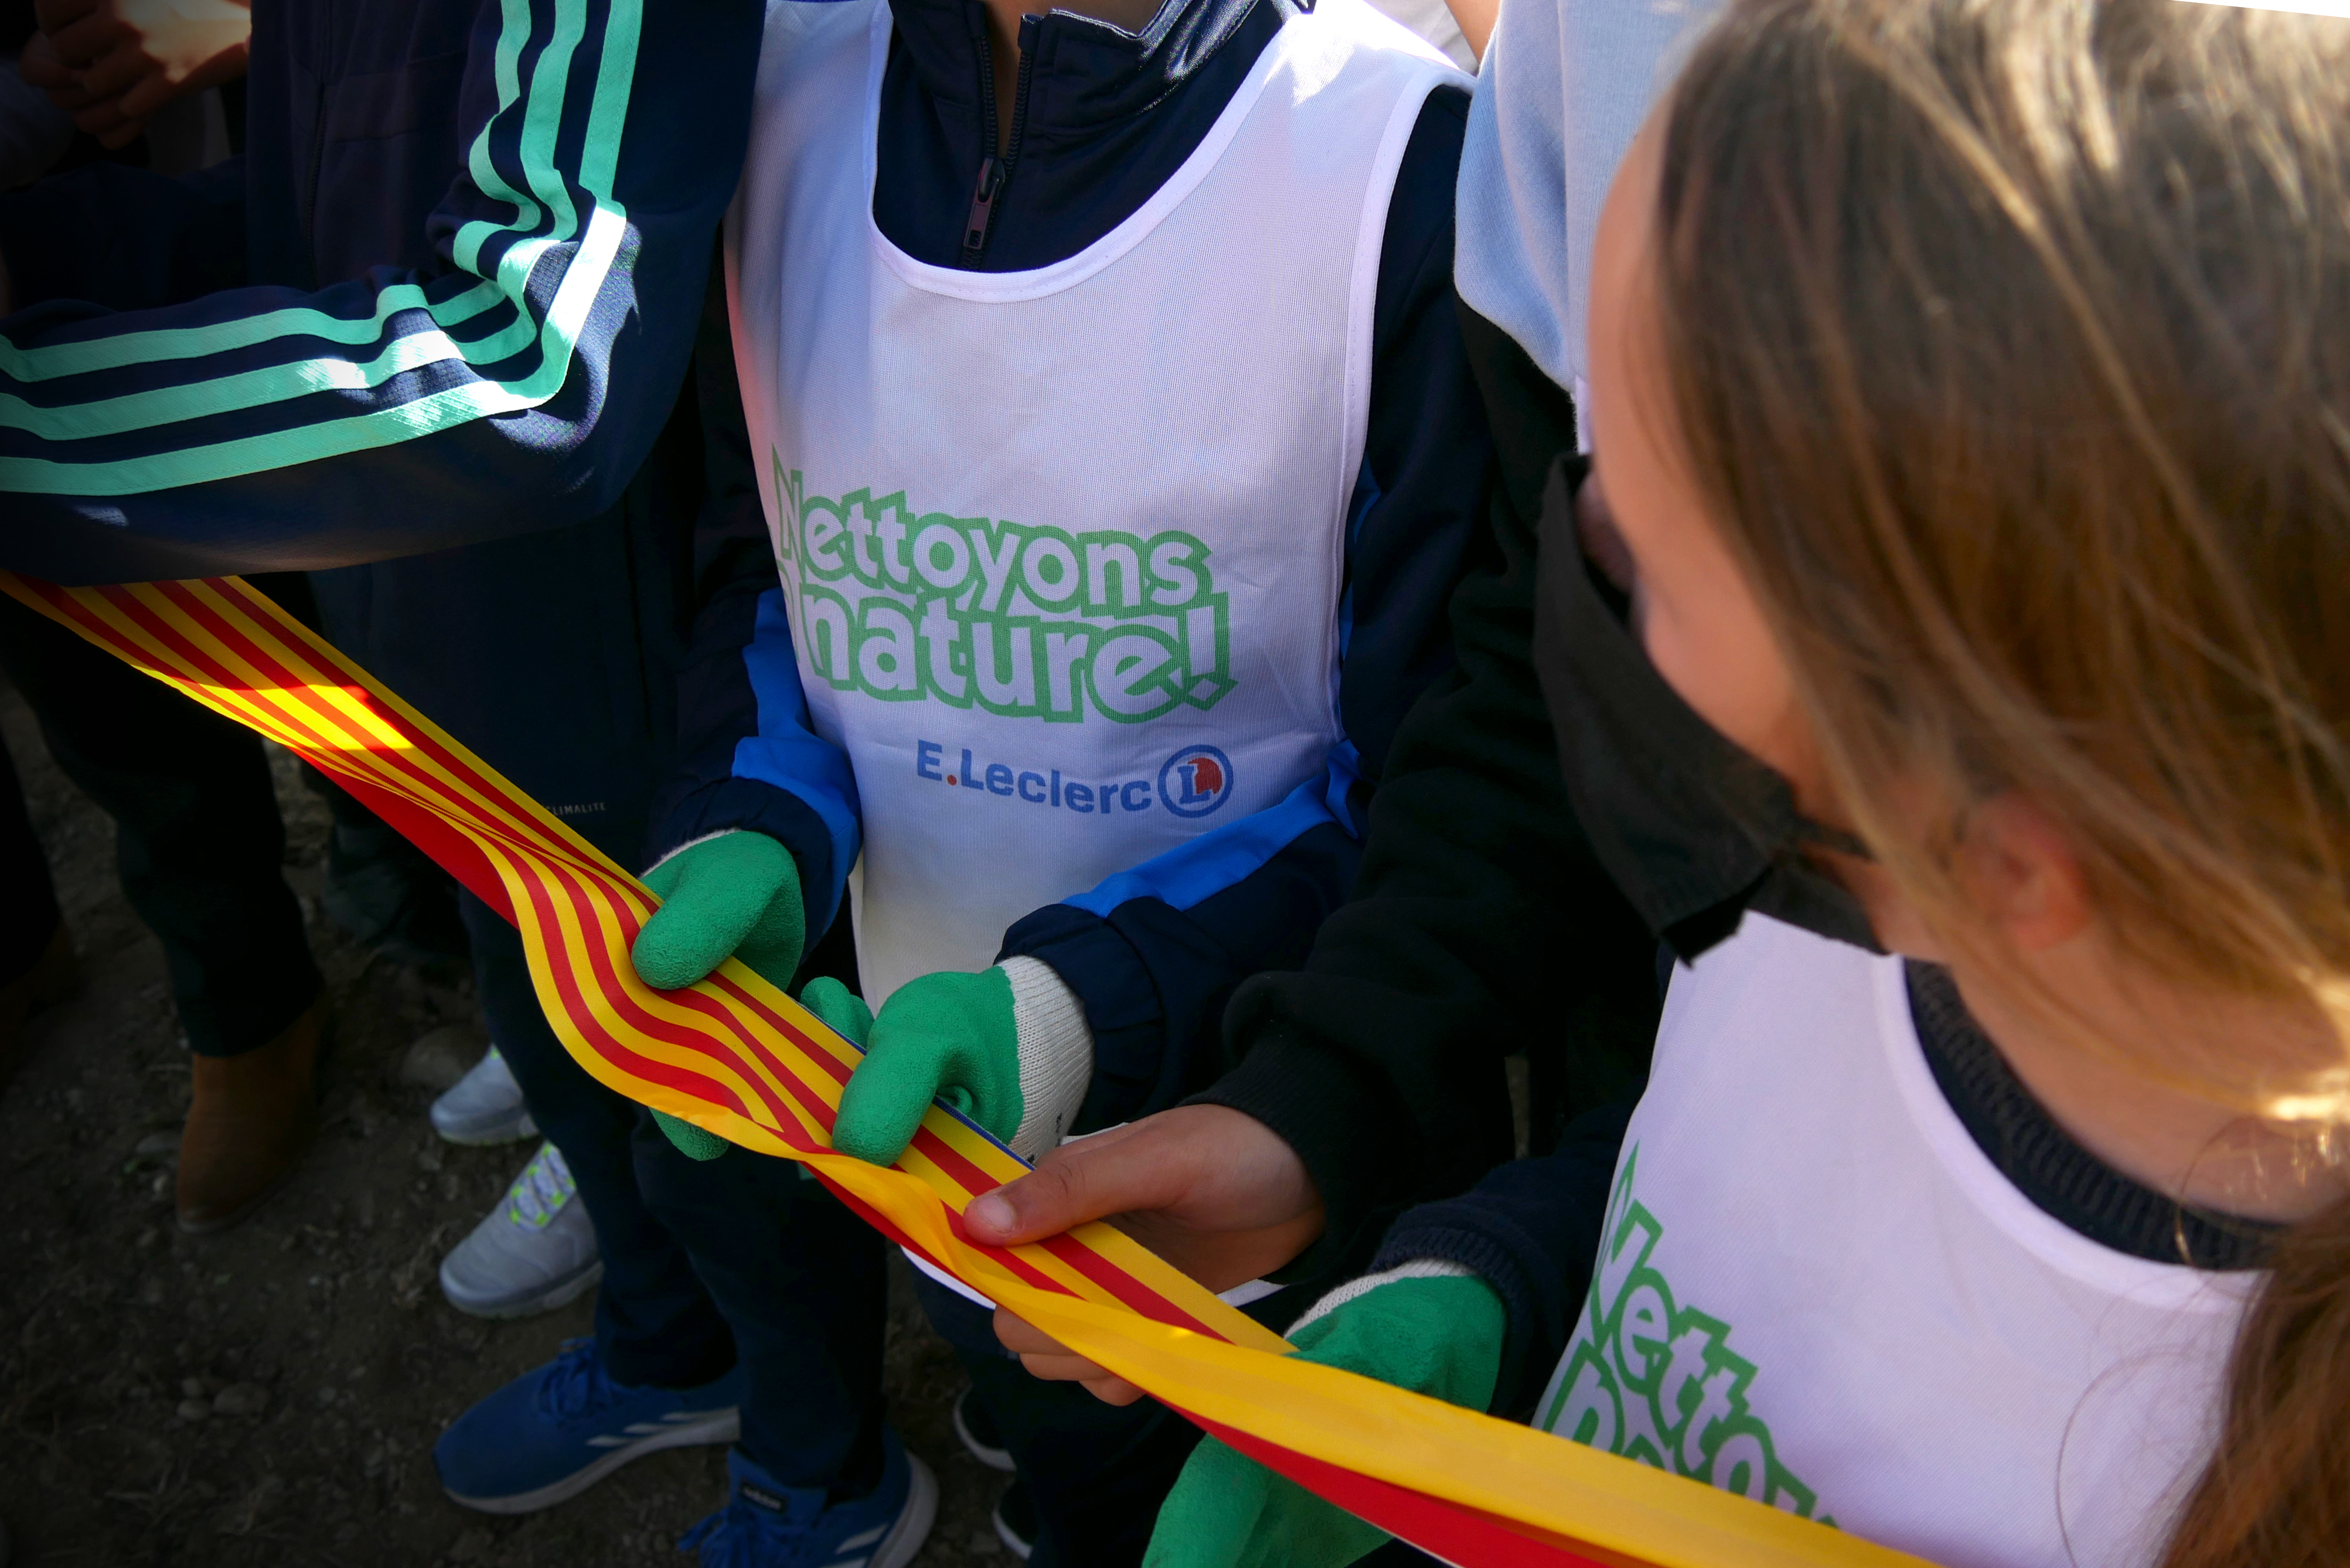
(973, 1425)
(532, 1253)
(485, 1106)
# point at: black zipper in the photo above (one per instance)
(995, 172)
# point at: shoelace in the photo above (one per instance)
(740, 1536)
(576, 1383)
(543, 1187)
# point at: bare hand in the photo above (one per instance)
(113, 63)
(1214, 1193)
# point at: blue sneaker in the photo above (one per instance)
(765, 1525)
(554, 1432)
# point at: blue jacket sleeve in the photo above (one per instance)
(1154, 952)
(533, 360)
(1530, 1229)
(748, 758)
(125, 239)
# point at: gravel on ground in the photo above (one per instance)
(270, 1396)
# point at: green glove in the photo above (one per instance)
(947, 1035)
(838, 1008)
(1440, 1336)
(833, 1004)
(736, 895)
(690, 1140)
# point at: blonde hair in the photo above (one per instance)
(2012, 339)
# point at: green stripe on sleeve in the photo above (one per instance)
(557, 335)
(359, 432)
(599, 159)
(194, 342)
(513, 32)
(255, 454)
(248, 388)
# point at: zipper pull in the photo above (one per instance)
(982, 206)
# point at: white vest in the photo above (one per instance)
(1815, 1289)
(1063, 548)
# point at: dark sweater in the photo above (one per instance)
(1481, 923)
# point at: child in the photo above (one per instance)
(1967, 382)
(1112, 426)
(444, 355)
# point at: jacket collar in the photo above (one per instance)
(1086, 74)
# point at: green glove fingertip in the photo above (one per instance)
(735, 895)
(1209, 1517)
(879, 1116)
(1438, 1336)
(950, 1033)
(1441, 1334)
(1229, 1512)
(691, 1140)
(838, 1008)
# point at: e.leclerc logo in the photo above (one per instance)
(1195, 781)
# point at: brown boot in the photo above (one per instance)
(254, 1115)
(49, 982)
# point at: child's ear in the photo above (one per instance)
(2019, 866)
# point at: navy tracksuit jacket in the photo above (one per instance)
(445, 298)
(437, 319)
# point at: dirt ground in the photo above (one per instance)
(271, 1396)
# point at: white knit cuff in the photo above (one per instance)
(1056, 1054)
(676, 850)
(1417, 1269)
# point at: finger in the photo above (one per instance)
(1062, 1368)
(1115, 1391)
(681, 944)
(714, 895)
(51, 14)
(122, 135)
(156, 89)
(117, 73)
(1047, 1358)
(688, 1139)
(882, 1104)
(1020, 1338)
(145, 97)
(40, 67)
(1102, 1385)
(1080, 1181)
(1209, 1517)
(102, 120)
(89, 37)
(838, 1008)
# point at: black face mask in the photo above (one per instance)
(1695, 830)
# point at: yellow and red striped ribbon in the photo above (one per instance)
(738, 1057)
